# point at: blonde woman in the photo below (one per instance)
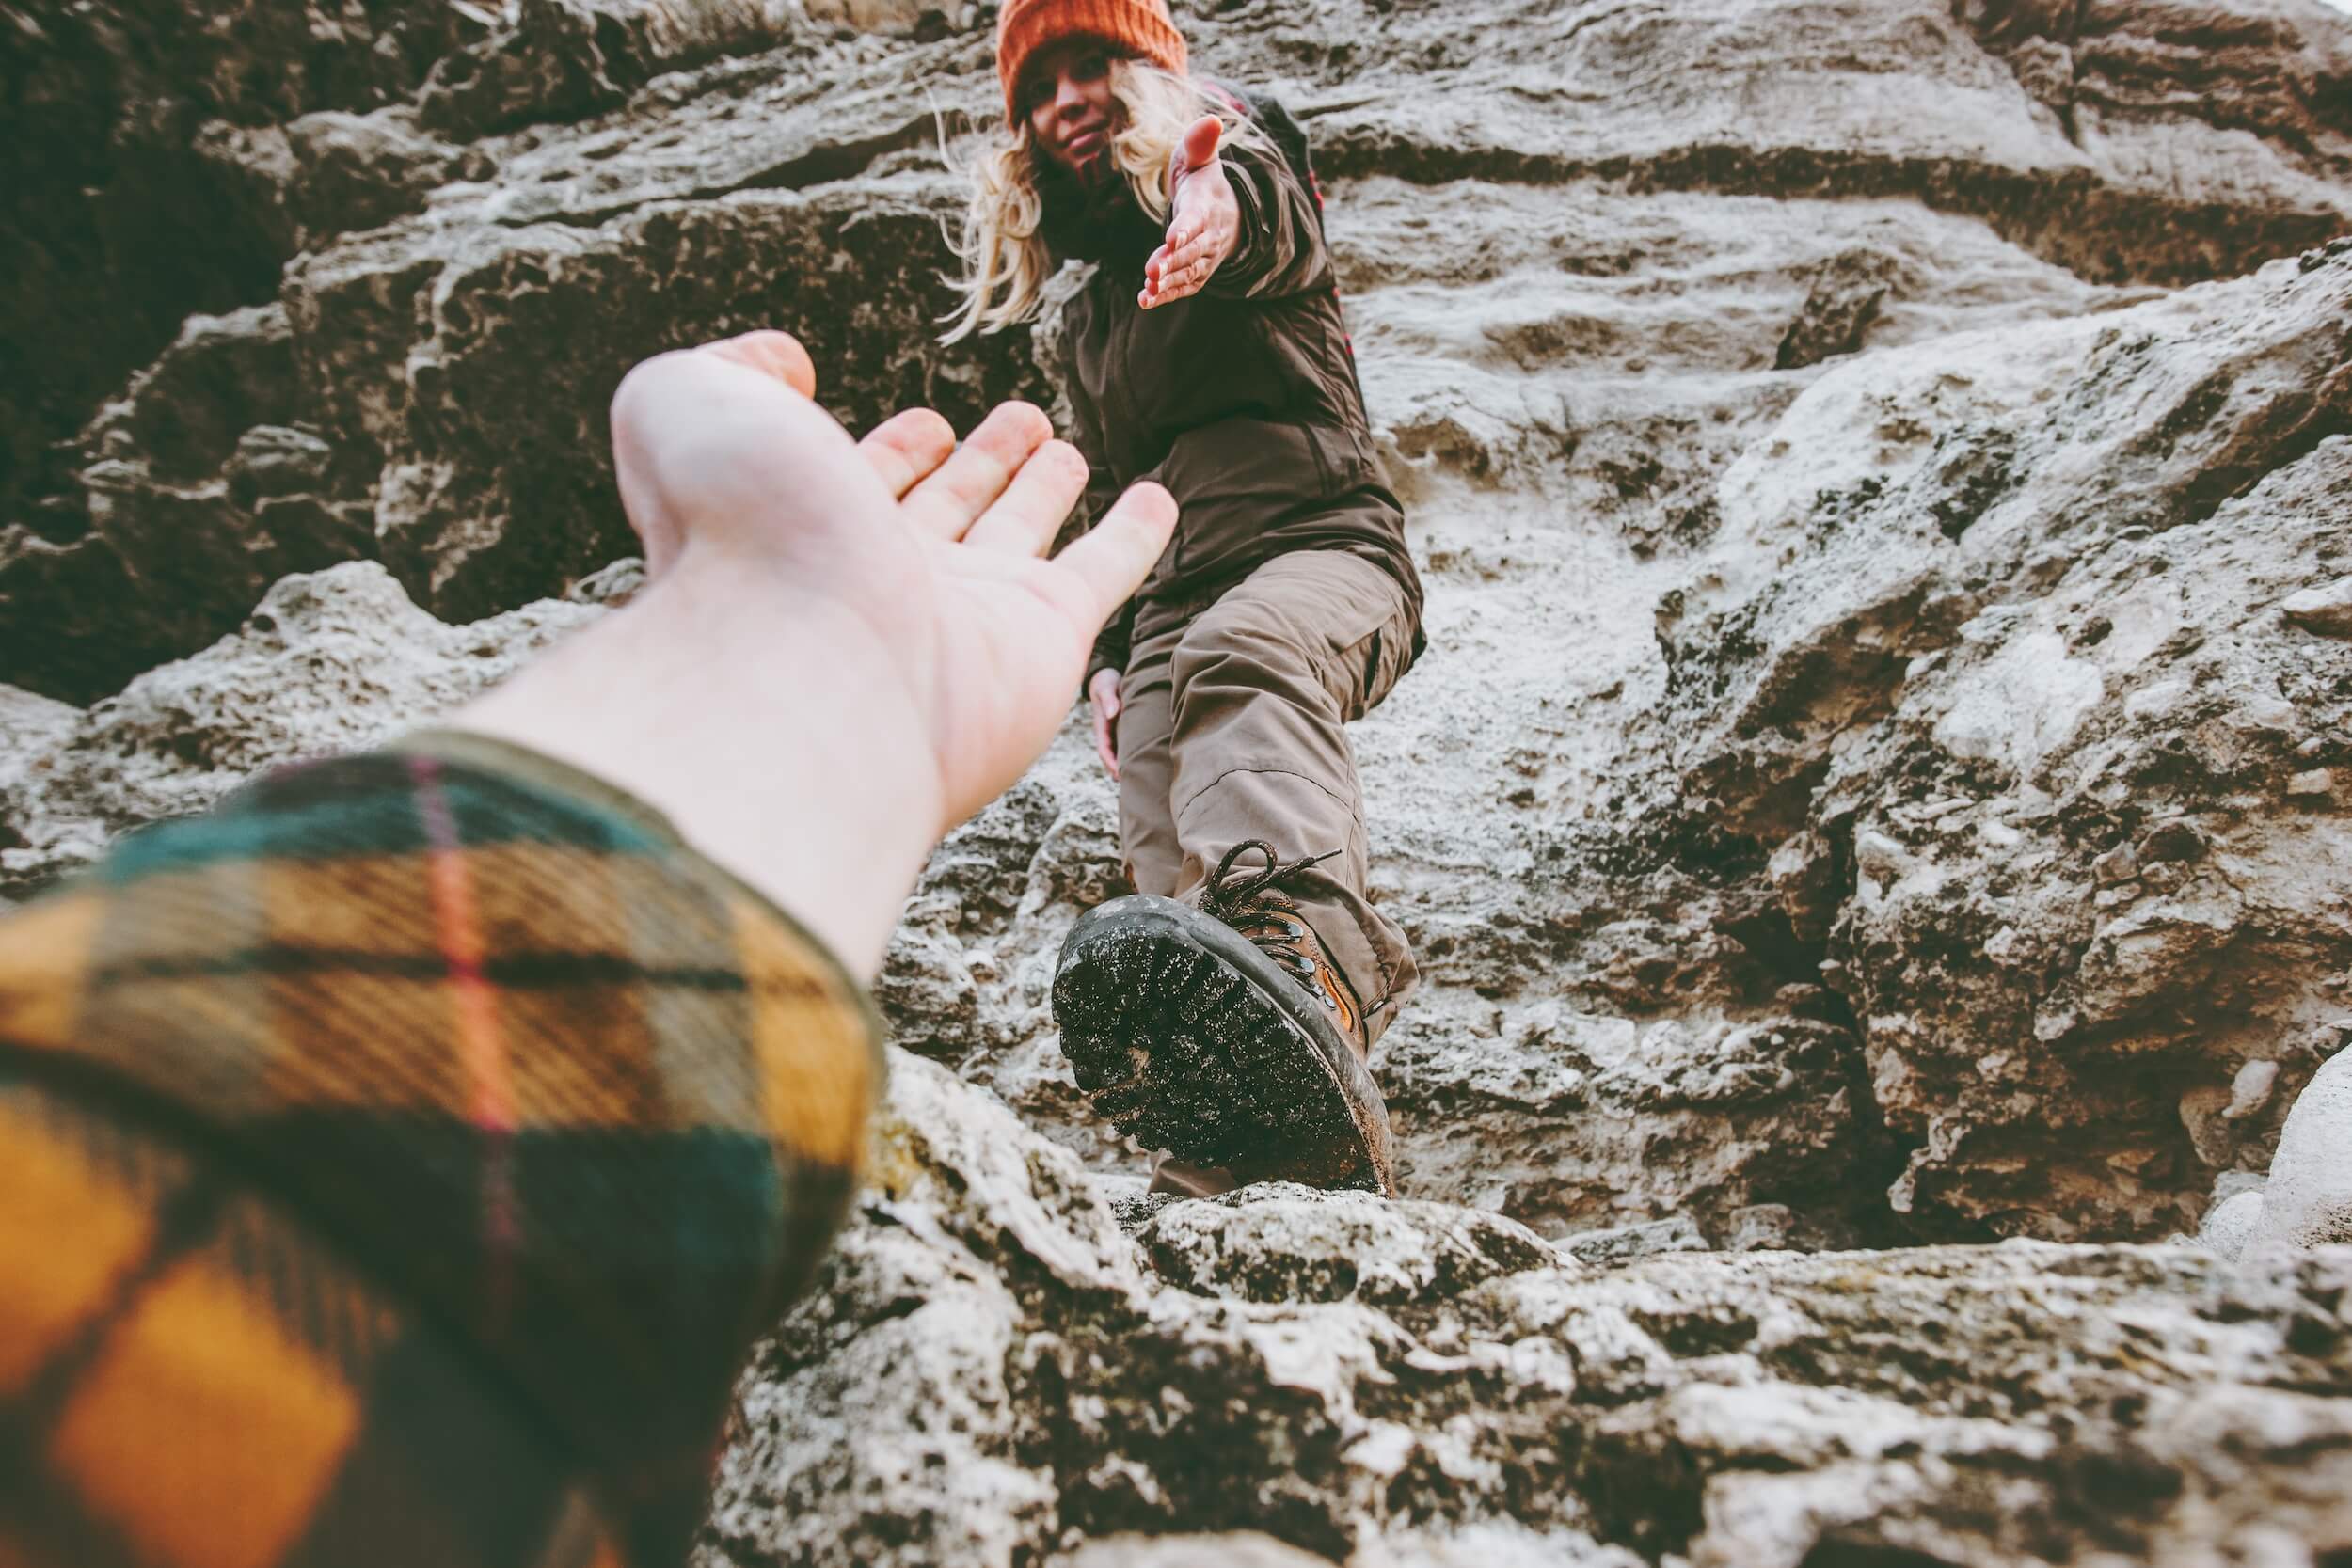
(1226, 1014)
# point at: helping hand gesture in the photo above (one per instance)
(1203, 218)
(844, 648)
(924, 561)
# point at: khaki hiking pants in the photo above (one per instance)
(1230, 728)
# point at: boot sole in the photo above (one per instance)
(1188, 1038)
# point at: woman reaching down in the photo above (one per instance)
(1226, 1014)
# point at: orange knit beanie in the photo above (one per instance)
(1140, 28)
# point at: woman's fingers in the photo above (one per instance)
(1103, 746)
(1173, 286)
(1190, 244)
(907, 448)
(946, 504)
(1184, 264)
(1114, 556)
(771, 353)
(1197, 150)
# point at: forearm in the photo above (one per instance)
(734, 713)
(1278, 248)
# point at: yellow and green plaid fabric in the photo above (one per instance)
(395, 1165)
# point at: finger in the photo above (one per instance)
(1103, 746)
(1201, 139)
(1203, 247)
(1030, 512)
(1170, 290)
(1113, 557)
(907, 448)
(771, 353)
(1160, 281)
(946, 504)
(1195, 150)
(1199, 148)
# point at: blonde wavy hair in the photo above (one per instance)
(1006, 261)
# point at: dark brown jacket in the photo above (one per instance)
(1242, 400)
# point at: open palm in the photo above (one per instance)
(920, 560)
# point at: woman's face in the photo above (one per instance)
(1066, 98)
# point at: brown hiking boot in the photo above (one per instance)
(1250, 905)
(1223, 1034)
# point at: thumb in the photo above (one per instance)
(772, 354)
(1114, 556)
(1197, 149)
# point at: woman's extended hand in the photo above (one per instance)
(1203, 218)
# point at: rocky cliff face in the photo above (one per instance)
(1883, 477)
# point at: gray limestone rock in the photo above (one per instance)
(991, 1372)
(329, 662)
(2308, 1201)
(1881, 471)
(1250, 1550)
(2063, 872)
(2326, 609)
(2231, 1223)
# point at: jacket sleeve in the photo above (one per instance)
(1281, 250)
(459, 1126)
(1102, 489)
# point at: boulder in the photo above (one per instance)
(330, 661)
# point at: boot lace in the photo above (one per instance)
(1253, 904)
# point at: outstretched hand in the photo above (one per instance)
(925, 557)
(1203, 218)
(844, 648)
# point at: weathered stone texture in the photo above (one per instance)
(1882, 474)
(992, 1370)
(330, 661)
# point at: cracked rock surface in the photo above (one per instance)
(1873, 817)
(994, 1372)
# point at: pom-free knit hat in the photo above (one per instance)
(1140, 28)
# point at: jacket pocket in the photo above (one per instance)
(1236, 481)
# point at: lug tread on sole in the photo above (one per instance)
(1205, 1066)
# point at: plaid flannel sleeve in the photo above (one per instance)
(395, 1165)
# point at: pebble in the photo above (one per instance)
(2325, 610)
